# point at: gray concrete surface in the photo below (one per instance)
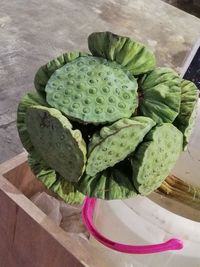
(32, 32)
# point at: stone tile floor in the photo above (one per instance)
(190, 6)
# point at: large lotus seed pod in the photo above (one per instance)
(31, 99)
(115, 142)
(160, 95)
(61, 148)
(44, 73)
(155, 157)
(65, 190)
(186, 118)
(132, 55)
(93, 90)
(112, 183)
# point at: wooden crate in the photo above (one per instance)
(28, 238)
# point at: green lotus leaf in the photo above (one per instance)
(44, 73)
(114, 143)
(155, 157)
(93, 90)
(31, 99)
(160, 95)
(112, 183)
(186, 117)
(53, 181)
(130, 54)
(61, 148)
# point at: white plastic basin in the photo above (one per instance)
(142, 221)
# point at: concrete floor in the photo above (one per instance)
(189, 6)
(33, 32)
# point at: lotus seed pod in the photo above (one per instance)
(44, 73)
(31, 99)
(116, 142)
(92, 90)
(160, 95)
(112, 183)
(65, 190)
(155, 157)
(186, 118)
(58, 145)
(43, 172)
(132, 55)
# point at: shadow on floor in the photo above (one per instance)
(190, 6)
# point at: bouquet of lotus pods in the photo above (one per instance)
(109, 124)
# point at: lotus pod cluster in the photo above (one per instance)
(110, 124)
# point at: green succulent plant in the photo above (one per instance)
(109, 124)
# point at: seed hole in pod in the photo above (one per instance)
(86, 110)
(117, 155)
(59, 76)
(53, 84)
(99, 73)
(110, 110)
(91, 81)
(75, 105)
(109, 83)
(126, 96)
(56, 96)
(98, 110)
(124, 86)
(70, 82)
(104, 149)
(111, 99)
(99, 100)
(70, 75)
(110, 153)
(121, 144)
(59, 88)
(105, 89)
(87, 101)
(67, 92)
(65, 102)
(92, 90)
(79, 76)
(121, 105)
(77, 96)
(89, 73)
(79, 86)
(92, 62)
(80, 64)
(117, 91)
(124, 135)
(83, 69)
(105, 78)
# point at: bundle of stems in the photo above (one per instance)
(179, 190)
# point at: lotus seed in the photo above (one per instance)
(110, 110)
(86, 110)
(126, 96)
(92, 91)
(70, 82)
(121, 105)
(105, 89)
(99, 100)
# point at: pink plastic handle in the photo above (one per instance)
(87, 214)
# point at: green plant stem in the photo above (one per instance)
(181, 191)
